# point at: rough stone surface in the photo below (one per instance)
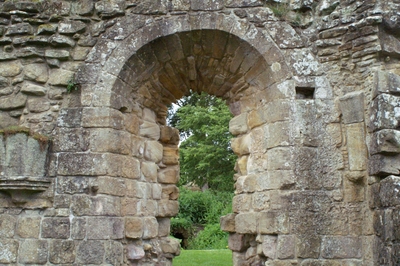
(314, 90)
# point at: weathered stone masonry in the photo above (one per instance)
(314, 88)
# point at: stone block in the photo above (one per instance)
(170, 192)
(138, 146)
(33, 251)
(73, 185)
(71, 139)
(280, 159)
(286, 246)
(7, 226)
(148, 207)
(389, 192)
(241, 203)
(122, 166)
(238, 124)
(257, 163)
(278, 134)
(169, 135)
(241, 165)
(269, 246)
(60, 77)
(278, 110)
(111, 186)
(55, 228)
(90, 252)
(246, 223)
(69, 117)
(110, 140)
(32, 89)
(10, 69)
(84, 205)
(260, 201)
(384, 165)
(353, 192)
(273, 222)
(170, 155)
(38, 73)
(129, 206)
(170, 246)
(7, 121)
(241, 145)
(56, 54)
(149, 171)
(259, 139)
(227, 223)
(383, 112)
(8, 251)
(105, 228)
(102, 117)
(150, 130)
(386, 82)
(153, 151)
(356, 147)
(81, 164)
(150, 227)
(62, 251)
(78, 228)
(164, 225)
(341, 247)
(38, 105)
(248, 183)
(168, 175)
(238, 242)
(256, 118)
(134, 227)
(114, 253)
(308, 246)
(28, 227)
(131, 123)
(168, 208)
(352, 107)
(134, 253)
(71, 27)
(385, 141)
(13, 102)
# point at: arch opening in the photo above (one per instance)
(168, 68)
(210, 61)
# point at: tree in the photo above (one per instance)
(205, 153)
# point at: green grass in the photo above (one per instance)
(215, 257)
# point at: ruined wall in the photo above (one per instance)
(313, 86)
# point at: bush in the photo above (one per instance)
(198, 209)
(204, 207)
(212, 237)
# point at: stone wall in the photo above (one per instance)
(313, 86)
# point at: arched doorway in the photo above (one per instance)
(158, 63)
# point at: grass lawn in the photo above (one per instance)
(215, 257)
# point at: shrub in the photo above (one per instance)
(198, 209)
(210, 238)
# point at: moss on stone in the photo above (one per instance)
(42, 139)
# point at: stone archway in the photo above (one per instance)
(285, 122)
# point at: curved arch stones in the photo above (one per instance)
(310, 189)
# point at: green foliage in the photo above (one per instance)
(279, 10)
(71, 86)
(204, 207)
(181, 223)
(205, 153)
(212, 237)
(220, 257)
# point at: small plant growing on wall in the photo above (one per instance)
(72, 86)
